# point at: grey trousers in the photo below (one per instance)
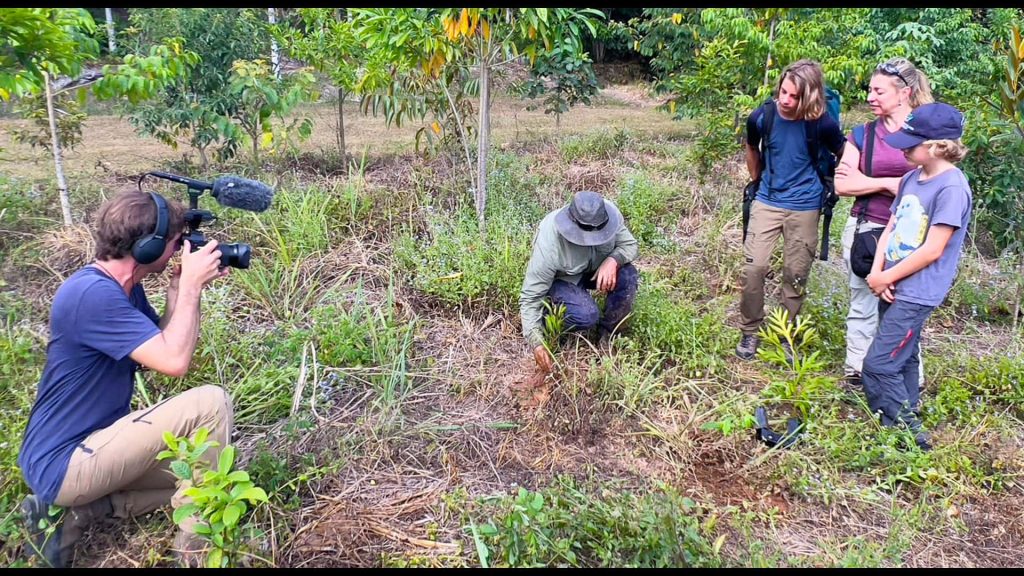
(862, 317)
(890, 373)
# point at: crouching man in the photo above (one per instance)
(582, 246)
(83, 448)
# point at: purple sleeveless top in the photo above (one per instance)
(887, 162)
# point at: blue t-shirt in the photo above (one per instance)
(789, 180)
(88, 379)
(920, 204)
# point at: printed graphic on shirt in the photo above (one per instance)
(910, 230)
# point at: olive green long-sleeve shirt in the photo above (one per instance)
(555, 258)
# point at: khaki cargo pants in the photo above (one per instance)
(799, 230)
(120, 460)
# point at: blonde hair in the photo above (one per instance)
(910, 76)
(949, 150)
(810, 85)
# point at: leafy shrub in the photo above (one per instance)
(983, 387)
(21, 362)
(647, 209)
(568, 525)
(218, 497)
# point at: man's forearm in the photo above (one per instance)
(172, 303)
(182, 330)
(753, 162)
(869, 185)
(626, 247)
(530, 314)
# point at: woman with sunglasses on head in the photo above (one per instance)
(870, 171)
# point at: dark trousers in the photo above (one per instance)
(891, 366)
(581, 312)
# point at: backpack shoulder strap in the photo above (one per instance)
(768, 113)
(858, 136)
(867, 147)
(767, 121)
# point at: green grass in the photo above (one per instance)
(690, 335)
(669, 403)
(649, 207)
(602, 144)
(573, 525)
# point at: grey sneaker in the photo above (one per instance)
(851, 382)
(747, 347)
(923, 441)
(45, 533)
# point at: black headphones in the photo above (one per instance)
(150, 247)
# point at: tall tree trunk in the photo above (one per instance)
(483, 140)
(111, 42)
(255, 149)
(58, 164)
(1020, 288)
(768, 59)
(275, 54)
(341, 127)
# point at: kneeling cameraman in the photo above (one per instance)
(83, 449)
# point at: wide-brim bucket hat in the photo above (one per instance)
(589, 220)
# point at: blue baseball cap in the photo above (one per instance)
(935, 121)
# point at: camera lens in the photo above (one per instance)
(235, 255)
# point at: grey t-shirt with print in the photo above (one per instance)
(920, 204)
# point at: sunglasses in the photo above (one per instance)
(891, 70)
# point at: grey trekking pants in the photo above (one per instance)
(890, 373)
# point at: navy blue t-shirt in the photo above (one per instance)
(88, 379)
(789, 180)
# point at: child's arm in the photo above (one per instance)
(882, 280)
(881, 290)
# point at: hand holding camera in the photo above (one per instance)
(200, 266)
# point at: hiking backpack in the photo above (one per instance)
(824, 162)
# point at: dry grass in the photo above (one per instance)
(110, 148)
(479, 418)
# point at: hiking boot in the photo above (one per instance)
(45, 533)
(747, 347)
(923, 441)
(851, 384)
(57, 547)
(604, 340)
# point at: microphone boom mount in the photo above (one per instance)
(236, 255)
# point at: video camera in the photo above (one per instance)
(230, 191)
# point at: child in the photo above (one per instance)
(916, 259)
